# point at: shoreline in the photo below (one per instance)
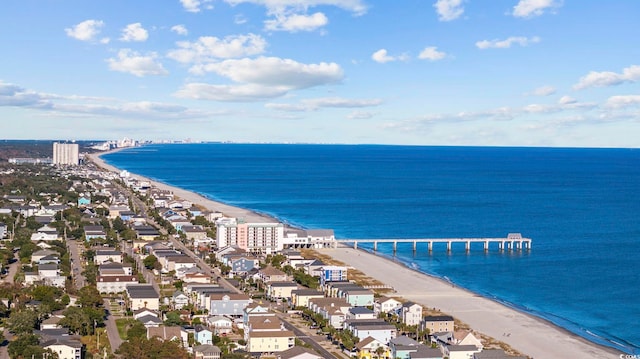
(535, 336)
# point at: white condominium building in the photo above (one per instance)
(65, 153)
(263, 238)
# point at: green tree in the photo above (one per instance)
(137, 330)
(21, 344)
(153, 348)
(173, 318)
(22, 321)
(77, 321)
(150, 261)
(88, 296)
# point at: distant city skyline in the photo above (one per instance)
(439, 72)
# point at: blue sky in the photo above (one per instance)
(445, 72)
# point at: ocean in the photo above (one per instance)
(581, 208)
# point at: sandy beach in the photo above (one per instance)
(528, 334)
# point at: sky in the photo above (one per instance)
(559, 73)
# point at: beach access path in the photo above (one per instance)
(528, 334)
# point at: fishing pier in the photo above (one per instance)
(513, 242)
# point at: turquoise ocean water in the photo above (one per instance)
(581, 207)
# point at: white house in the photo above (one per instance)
(385, 305)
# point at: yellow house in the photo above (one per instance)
(370, 348)
(270, 342)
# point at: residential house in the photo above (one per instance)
(107, 255)
(144, 312)
(196, 277)
(315, 268)
(262, 323)
(114, 269)
(242, 264)
(3, 230)
(206, 351)
(358, 297)
(466, 337)
(255, 309)
(228, 304)
(115, 283)
(360, 313)
(436, 324)
(300, 297)
(142, 296)
(280, 290)
(45, 233)
(66, 348)
(37, 255)
(271, 274)
(370, 347)
(84, 201)
(94, 232)
(203, 335)
(194, 232)
(385, 305)
(166, 333)
(146, 233)
(334, 310)
(460, 351)
(411, 313)
(179, 300)
(270, 341)
(298, 353)
(332, 274)
(402, 346)
(150, 321)
(375, 328)
(221, 325)
(114, 210)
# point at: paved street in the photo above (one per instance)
(112, 329)
(75, 248)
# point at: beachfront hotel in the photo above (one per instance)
(65, 154)
(258, 238)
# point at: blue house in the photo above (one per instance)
(203, 335)
(84, 201)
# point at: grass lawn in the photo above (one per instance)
(123, 324)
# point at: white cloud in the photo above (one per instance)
(240, 19)
(274, 71)
(87, 30)
(134, 32)
(623, 101)
(608, 78)
(139, 65)
(431, 53)
(230, 93)
(16, 96)
(531, 8)
(382, 57)
(543, 91)
(296, 22)
(506, 43)
(208, 48)
(325, 102)
(448, 9)
(261, 78)
(357, 7)
(567, 100)
(196, 5)
(180, 30)
(360, 115)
